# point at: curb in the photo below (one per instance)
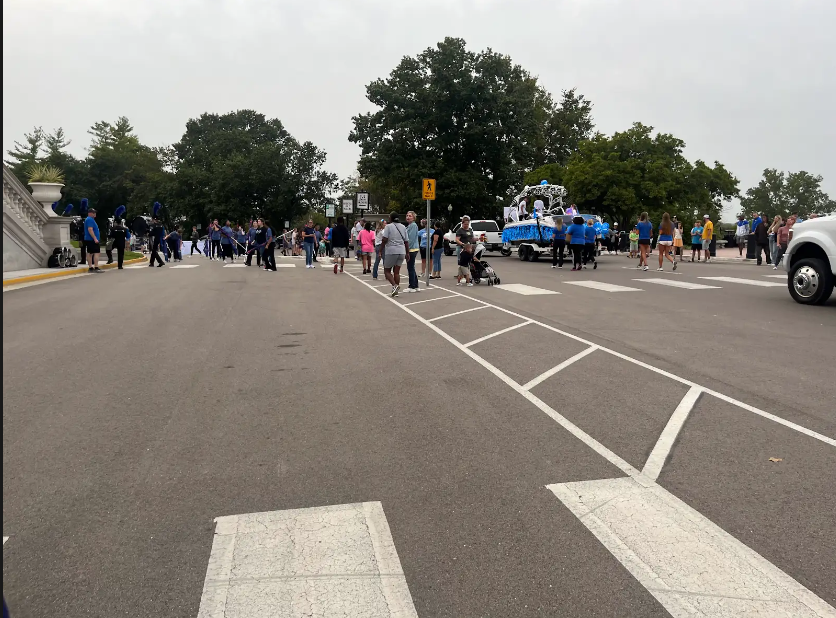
(66, 273)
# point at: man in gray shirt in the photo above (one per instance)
(394, 242)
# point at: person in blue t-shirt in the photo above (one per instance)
(558, 242)
(215, 237)
(589, 234)
(92, 239)
(576, 233)
(226, 242)
(645, 228)
(696, 240)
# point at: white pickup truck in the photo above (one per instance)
(493, 235)
(810, 260)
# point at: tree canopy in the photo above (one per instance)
(780, 193)
(473, 121)
(634, 171)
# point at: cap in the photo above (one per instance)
(706, 217)
(91, 210)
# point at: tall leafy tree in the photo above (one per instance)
(473, 121)
(634, 171)
(780, 193)
(26, 153)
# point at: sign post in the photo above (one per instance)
(362, 200)
(428, 193)
(348, 207)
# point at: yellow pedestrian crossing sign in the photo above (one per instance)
(429, 189)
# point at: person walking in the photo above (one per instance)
(173, 241)
(215, 236)
(367, 240)
(576, 236)
(317, 239)
(422, 246)
(777, 223)
(762, 240)
(268, 255)
(252, 245)
(783, 239)
(412, 252)
(696, 240)
(645, 228)
(464, 235)
(590, 234)
(157, 235)
(615, 239)
(558, 242)
(437, 249)
(226, 242)
(395, 244)
(665, 242)
(465, 258)
(120, 235)
(378, 247)
(241, 237)
(677, 240)
(195, 237)
(741, 233)
(326, 235)
(308, 239)
(340, 237)
(707, 236)
(92, 240)
(358, 227)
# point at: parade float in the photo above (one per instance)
(532, 233)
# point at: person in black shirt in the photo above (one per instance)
(340, 238)
(465, 258)
(195, 240)
(118, 232)
(157, 232)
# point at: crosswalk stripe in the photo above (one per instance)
(235, 265)
(604, 287)
(755, 282)
(784, 276)
(186, 266)
(681, 284)
(525, 290)
(323, 561)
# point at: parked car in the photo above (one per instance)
(810, 260)
(488, 227)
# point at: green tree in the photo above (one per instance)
(26, 153)
(473, 121)
(634, 171)
(241, 165)
(780, 193)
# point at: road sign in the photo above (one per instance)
(330, 210)
(286, 224)
(429, 189)
(363, 201)
(348, 207)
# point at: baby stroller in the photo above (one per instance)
(481, 269)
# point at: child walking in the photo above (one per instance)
(465, 258)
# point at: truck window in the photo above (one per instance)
(485, 226)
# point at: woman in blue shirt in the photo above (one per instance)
(577, 239)
(589, 244)
(696, 240)
(558, 243)
(665, 241)
(645, 228)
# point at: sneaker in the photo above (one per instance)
(595, 266)
(313, 265)
(553, 266)
(408, 291)
(470, 285)
(91, 270)
(584, 266)
(458, 282)
(674, 265)
(560, 267)
(416, 289)
(661, 270)
(774, 268)
(396, 290)
(638, 265)
(335, 268)
(646, 268)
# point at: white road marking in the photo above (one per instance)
(681, 284)
(656, 461)
(235, 265)
(689, 564)
(547, 374)
(604, 287)
(497, 333)
(450, 315)
(285, 265)
(185, 266)
(756, 282)
(525, 290)
(137, 266)
(429, 300)
(325, 561)
(784, 276)
(777, 419)
(5, 538)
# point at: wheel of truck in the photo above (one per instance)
(505, 252)
(535, 256)
(522, 253)
(810, 282)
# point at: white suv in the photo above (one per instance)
(810, 260)
(488, 227)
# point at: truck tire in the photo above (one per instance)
(535, 256)
(810, 282)
(505, 252)
(522, 253)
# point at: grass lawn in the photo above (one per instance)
(129, 255)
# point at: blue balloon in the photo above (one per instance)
(597, 226)
(544, 182)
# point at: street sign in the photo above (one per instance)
(330, 210)
(429, 189)
(363, 201)
(348, 207)
(286, 224)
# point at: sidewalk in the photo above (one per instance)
(14, 277)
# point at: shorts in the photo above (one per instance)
(665, 243)
(634, 246)
(423, 251)
(706, 243)
(395, 260)
(367, 252)
(340, 252)
(464, 271)
(644, 241)
(92, 247)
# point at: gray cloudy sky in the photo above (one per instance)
(751, 83)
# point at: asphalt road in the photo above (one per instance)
(140, 405)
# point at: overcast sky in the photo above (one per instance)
(751, 83)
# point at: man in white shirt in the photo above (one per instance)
(523, 210)
(355, 234)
